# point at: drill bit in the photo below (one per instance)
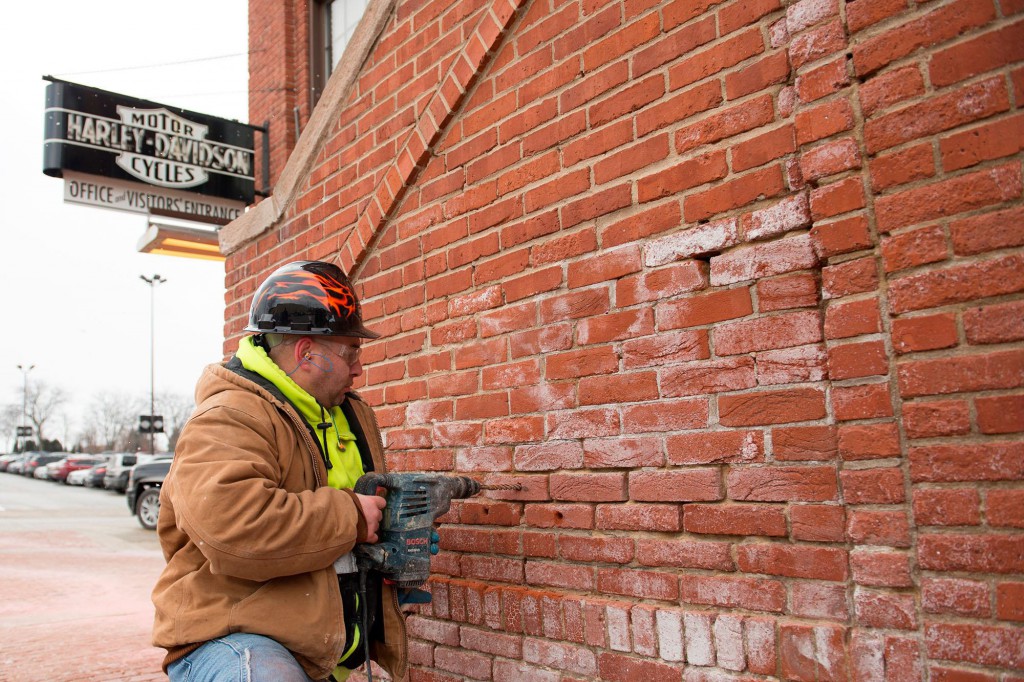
(502, 486)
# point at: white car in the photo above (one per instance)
(79, 476)
(42, 472)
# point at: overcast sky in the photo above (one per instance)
(73, 303)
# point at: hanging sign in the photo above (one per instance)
(134, 151)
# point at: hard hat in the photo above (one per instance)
(311, 298)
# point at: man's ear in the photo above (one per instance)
(301, 349)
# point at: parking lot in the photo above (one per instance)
(76, 571)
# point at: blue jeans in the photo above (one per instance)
(238, 657)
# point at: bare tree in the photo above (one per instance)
(42, 402)
(111, 422)
(176, 409)
(10, 417)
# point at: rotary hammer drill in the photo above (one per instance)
(402, 553)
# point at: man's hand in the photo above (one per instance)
(371, 506)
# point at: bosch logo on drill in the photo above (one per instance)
(417, 541)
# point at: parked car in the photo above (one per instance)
(39, 459)
(42, 472)
(143, 493)
(5, 461)
(94, 476)
(78, 476)
(59, 470)
(18, 464)
(118, 466)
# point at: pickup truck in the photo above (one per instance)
(143, 491)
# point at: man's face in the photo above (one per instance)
(338, 367)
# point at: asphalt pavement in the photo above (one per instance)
(76, 571)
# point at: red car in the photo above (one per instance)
(73, 463)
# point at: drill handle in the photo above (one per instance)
(368, 483)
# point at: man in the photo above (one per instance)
(258, 519)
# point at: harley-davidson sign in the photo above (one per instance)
(94, 132)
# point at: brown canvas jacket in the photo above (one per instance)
(250, 530)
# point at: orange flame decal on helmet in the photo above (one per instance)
(295, 286)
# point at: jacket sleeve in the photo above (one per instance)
(229, 496)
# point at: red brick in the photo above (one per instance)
(634, 583)
(685, 554)
(861, 402)
(719, 126)
(962, 373)
(970, 643)
(817, 43)
(651, 517)
(852, 318)
(830, 158)
(881, 569)
(949, 197)
(991, 461)
(818, 523)
(665, 348)
(757, 76)
(704, 309)
(994, 140)
(588, 487)
(805, 443)
(630, 159)
(1006, 508)
(929, 332)
(938, 418)
(988, 232)
(734, 519)
(855, 360)
(910, 249)
(822, 81)
(684, 485)
(771, 407)
(820, 601)
(944, 112)
(888, 528)
(782, 484)
(793, 561)
(982, 53)
(790, 291)
(728, 53)
(959, 675)
(872, 486)
(682, 176)
(677, 108)
(837, 198)
(1010, 601)
(607, 266)
(778, 331)
(957, 284)
(731, 593)
(559, 516)
(662, 415)
(763, 148)
(929, 29)
(885, 610)
(902, 166)
(859, 442)
(622, 668)
(1000, 414)
(823, 121)
(672, 45)
(623, 452)
(947, 507)
(579, 363)
(893, 87)
(711, 447)
(955, 596)
(763, 259)
(735, 193)
(648, 222)
(615, 326)
(995, 324)
(696, 378)
(628, 100)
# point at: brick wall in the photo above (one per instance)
(732, 289)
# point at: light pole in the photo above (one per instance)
(152, 282)
(24, 397)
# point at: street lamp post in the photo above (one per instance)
(24, 396)
(152, 282)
